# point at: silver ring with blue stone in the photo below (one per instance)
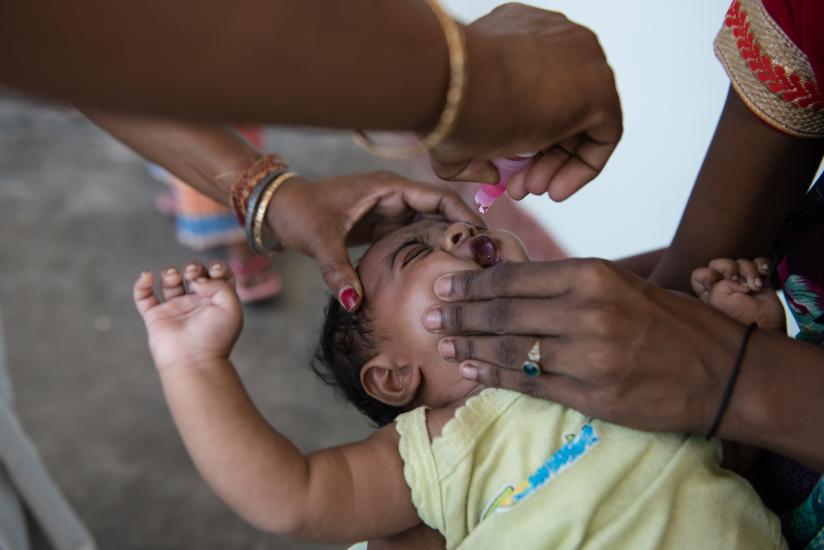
(531, 367)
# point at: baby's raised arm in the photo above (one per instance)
(343, 494)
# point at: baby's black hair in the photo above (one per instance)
(347, 343)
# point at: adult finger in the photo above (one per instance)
(492, 376)
(508, 351)
(429, 199)
(545, 168)
(522, 280)
(336, 269)
(477, 170)
(555, 387)
(587, 161)
(516, 187)
(499, 316)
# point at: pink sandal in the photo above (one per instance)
(255, 281)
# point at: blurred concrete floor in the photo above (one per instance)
(76, 226)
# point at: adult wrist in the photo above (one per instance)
(717, 341)
(729, 387)
(284, 204)
(226, 171)
(754, 410)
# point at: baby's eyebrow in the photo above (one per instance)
(397, 251)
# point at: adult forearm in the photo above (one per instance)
(642, 264)
(206, 156)
(752, 177)
(777, 401)
(333, 63)
(254, 469)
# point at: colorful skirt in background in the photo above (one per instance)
(201, 222)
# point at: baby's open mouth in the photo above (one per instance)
(485, 250)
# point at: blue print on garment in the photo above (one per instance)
(570, 453)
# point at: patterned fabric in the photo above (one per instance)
(769, 71)
(800, 274)
(202, 223)
(806, 520)
(801, 21)
(800, 265)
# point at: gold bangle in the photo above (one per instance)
(260, 214)
(454, 96)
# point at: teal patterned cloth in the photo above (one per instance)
(800, 274)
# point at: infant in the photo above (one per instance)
(486, 468)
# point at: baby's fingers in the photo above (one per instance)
(726, 267)
(171, 284)
(219, 270)
(218, 285)
(143, 293)
(702, 281)
(194, 270)
(721, 292)
(750, 274)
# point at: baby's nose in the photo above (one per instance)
(457, 233)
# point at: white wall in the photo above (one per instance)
(672, 90)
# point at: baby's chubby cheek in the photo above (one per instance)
(418, 296)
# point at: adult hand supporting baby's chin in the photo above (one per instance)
(612, 345)
(322, 217)
(537, 83)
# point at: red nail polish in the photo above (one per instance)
(349, 298)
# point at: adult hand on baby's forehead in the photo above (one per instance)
(321, 217)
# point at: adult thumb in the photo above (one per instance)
(476, 170)
(341, 278)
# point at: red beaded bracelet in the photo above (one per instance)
(242, 187)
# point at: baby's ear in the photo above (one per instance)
(390, 383)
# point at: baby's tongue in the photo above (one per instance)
(485, 251)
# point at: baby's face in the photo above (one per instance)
(398, 273)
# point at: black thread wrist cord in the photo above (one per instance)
(728, 389)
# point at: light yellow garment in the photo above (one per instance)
(626, 489)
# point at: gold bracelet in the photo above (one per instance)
(260, 214)
(454, 96)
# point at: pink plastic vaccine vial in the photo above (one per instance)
(487, 194)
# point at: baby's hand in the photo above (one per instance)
(192, 326)
(740, 289)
